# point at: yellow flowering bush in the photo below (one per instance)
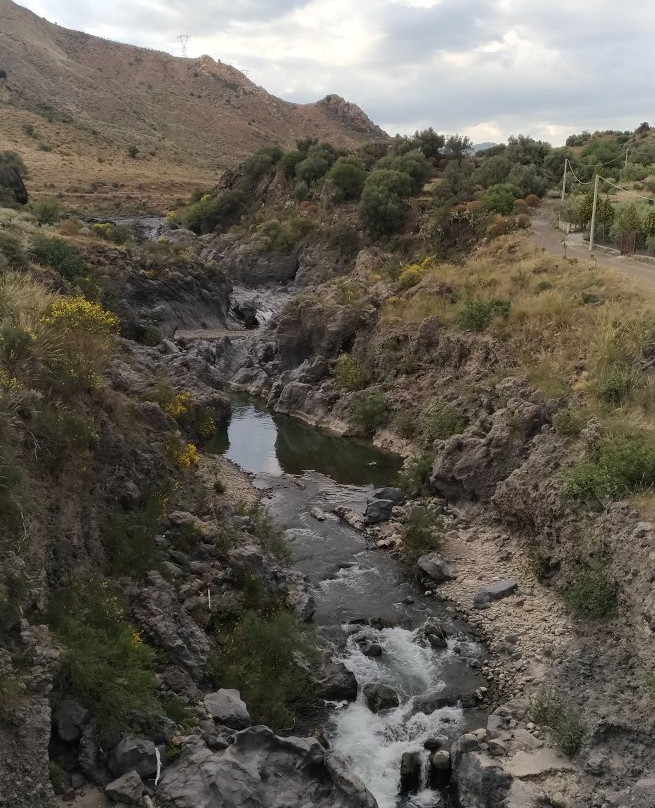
(178, 405)
(80, 314)
(184, 455)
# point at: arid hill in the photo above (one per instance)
(76, 106)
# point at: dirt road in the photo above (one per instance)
(548, 236)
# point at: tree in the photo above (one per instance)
(457, 182)
(412, 163)
(629, 221)
(347, 177)
(382, 207)
(428, 142)
(457, 147)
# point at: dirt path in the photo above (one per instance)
(548, 236)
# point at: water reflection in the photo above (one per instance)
(261, 442)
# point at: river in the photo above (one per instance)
(359, 589)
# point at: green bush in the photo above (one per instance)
(477, 314)
(46, 210)
(12, 250)
(213, 213)
(411, 163)
(617, 383)
(368, 413)
(623, 462)
(565, 724)
(283, 237)
(260, 658)
(422, 532)
(415, 474)
(106, 665)
(591, 592)
(500, 198)
(349, 374)
(347, 177)
(57, 254)
(382, 207)
(569, 422)
(405, 423)
(439, 422)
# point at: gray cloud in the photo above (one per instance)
(488, 67)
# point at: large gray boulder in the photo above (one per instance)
(70, 718)
(378, 510)
(410, 771)
(380, 697)
(494, 591)
(435, 567)
(227, 707)
(127, 788)
(396, 495)
(333, 681)
(136, 754)
(261, 770)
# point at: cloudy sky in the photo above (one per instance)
(488, 68)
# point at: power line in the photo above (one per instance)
(648, 199)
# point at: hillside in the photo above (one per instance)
(74, 105)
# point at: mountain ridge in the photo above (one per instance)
(94, 100)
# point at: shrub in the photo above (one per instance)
(477, 314)
(349, 374)
(500, 198)
(46, 210)
(132, 151)
(289, 161)
(405, 423)
(617, 383)
(569, 422)
(347, 178)
(565, 724)
(591, 592)
(368, 413)
(107, 666)
(382, 208)
(414, 477)
(3, 74)
(212, 213)
(409, 277)
(57, 254)
(422, 532)
(439, 422)
(623, 461)
(283, 237)
(12, 250)
(261, 659)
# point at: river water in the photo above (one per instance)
(358, 589)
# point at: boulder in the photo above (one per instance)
(334, 682)
(394, 494)
(410, 771)
(440, 769)
(378, 510)
(261, 770)
(318, 514)
(128, 789)
(136, 754)
(371, 649)
(494, 591)
(380, 697)
(435, 567)
(226, 707)
(479, 779)
(70, 719)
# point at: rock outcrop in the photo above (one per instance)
(261, 770)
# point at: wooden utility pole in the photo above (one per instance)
(566, 163)
(593, 214)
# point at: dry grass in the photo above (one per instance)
(567, 320)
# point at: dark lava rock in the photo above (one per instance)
(378, 510)
(410, 771)
(380, 697)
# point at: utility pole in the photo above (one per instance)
(566, 163)
(593, 214)
(184, 41)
